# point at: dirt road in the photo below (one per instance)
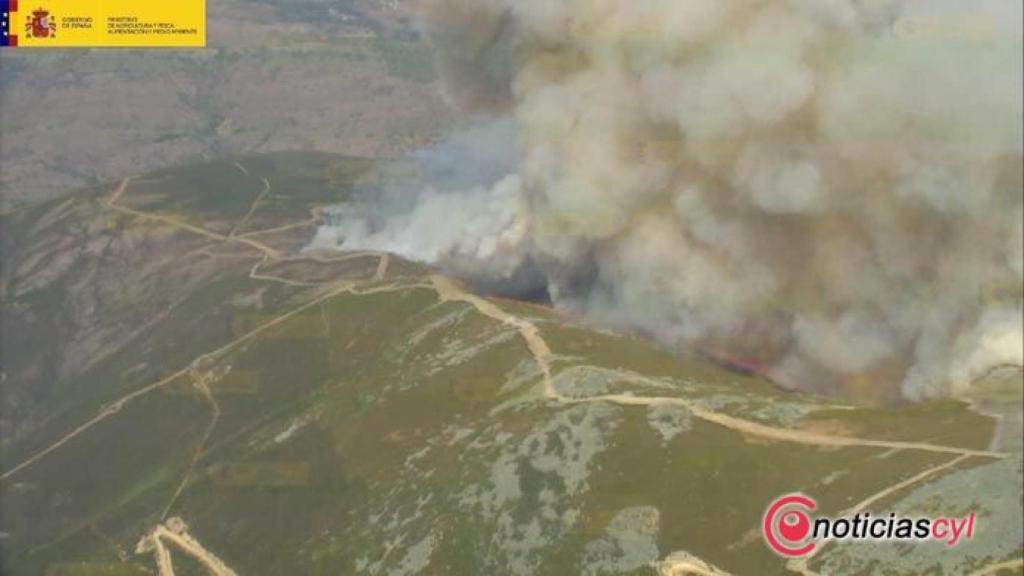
(175, 532)
(449, 290)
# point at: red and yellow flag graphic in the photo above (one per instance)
(103, 23)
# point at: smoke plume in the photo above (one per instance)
(831, 188)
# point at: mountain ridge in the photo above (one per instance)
(312, 412)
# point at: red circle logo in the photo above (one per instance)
(787, 525)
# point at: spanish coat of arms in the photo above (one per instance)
(41, 25)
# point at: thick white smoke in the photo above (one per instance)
(830, 187)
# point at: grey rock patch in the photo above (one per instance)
(669, 421)
(416, 559)
(534, 476)
(525, 371)
(588, 381)
(991, 491)
(630, 543)
(786, 413)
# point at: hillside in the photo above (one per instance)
(347, 76)
(186, 391)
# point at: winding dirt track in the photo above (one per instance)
(175, 532)
(682, 563)
(449, 290)
(677, 564)
(202, 382)
(686, 564)
(164, 565)
(112, 204)
(255, 203)
(197, 363)
(1016, 565)
(269, 254)
(802, 565)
